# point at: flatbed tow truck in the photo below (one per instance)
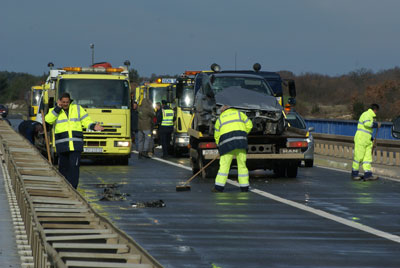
(268, 144)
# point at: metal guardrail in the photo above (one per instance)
(387, 152)
(61, 227)
(346, 127)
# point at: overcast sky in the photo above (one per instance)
(170, 36)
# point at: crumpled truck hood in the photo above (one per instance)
(238, 97)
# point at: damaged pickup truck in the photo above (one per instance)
(268, 144)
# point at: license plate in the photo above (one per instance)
(290, 150)
(92, 150)
(208, 152)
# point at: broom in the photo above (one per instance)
(185, 186)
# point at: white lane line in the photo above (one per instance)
(346, 171)
(321, 213)
(168, 162)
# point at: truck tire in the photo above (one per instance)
(210, 172)
(195, 166)
(280, 171)
(123, 160)
(291, 170)
(309, 163)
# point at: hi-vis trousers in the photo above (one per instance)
(225, 165)
(362, 155)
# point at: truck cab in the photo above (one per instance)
(104, 93)
(183, 109)
(36, 92)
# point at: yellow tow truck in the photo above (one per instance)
(104, 92)
(160, 89)
(183, 108)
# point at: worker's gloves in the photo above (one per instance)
(376, 125)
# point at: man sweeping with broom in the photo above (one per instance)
(230, 134)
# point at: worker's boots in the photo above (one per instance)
(369, 177)
(355, 176)
(217, 189)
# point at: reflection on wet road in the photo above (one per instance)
(234, 229)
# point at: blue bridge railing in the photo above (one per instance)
(346, 127)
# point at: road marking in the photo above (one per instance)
(321, 213)
(168, 162)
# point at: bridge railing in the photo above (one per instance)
(387, 152)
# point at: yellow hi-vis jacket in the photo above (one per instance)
(167, 117)
(230, 131)
(68, 129)
(364, 128)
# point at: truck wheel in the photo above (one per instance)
(210, 172)
(280, 171)
(309, 163)
(195, 167)
(124, 160)
(292, 171)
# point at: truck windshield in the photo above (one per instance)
(97, 93)
(187, 99)
(157, 94)
(36, 97)
(253, 84)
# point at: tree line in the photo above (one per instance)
(355, 90)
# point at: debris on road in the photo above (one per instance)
(113, 194)
(149, 204)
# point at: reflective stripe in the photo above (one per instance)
(54, 113)
(230, 121)
(67, 140)
(239, 116)
(362, 130)
(367, 162)
(364, 122)
(243, 175)
(219, 119)
(61, 121)
(231, 139)
(356, 162)
(79, 111)
(169, 114)
(83, 117)
(220, 184)
(244, 184)
(217, 130)
(247, 120)
(222, 174)
(74, 119)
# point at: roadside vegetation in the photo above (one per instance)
(318, 96)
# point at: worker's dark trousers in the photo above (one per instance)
(68, 165)
(165, 138)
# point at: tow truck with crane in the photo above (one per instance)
(269, 146)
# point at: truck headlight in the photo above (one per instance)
(122, 144)
(182, 140)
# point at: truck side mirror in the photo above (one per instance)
(396, 128)
(179, 89)
(292, 88)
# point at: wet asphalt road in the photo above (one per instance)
(233, 229)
